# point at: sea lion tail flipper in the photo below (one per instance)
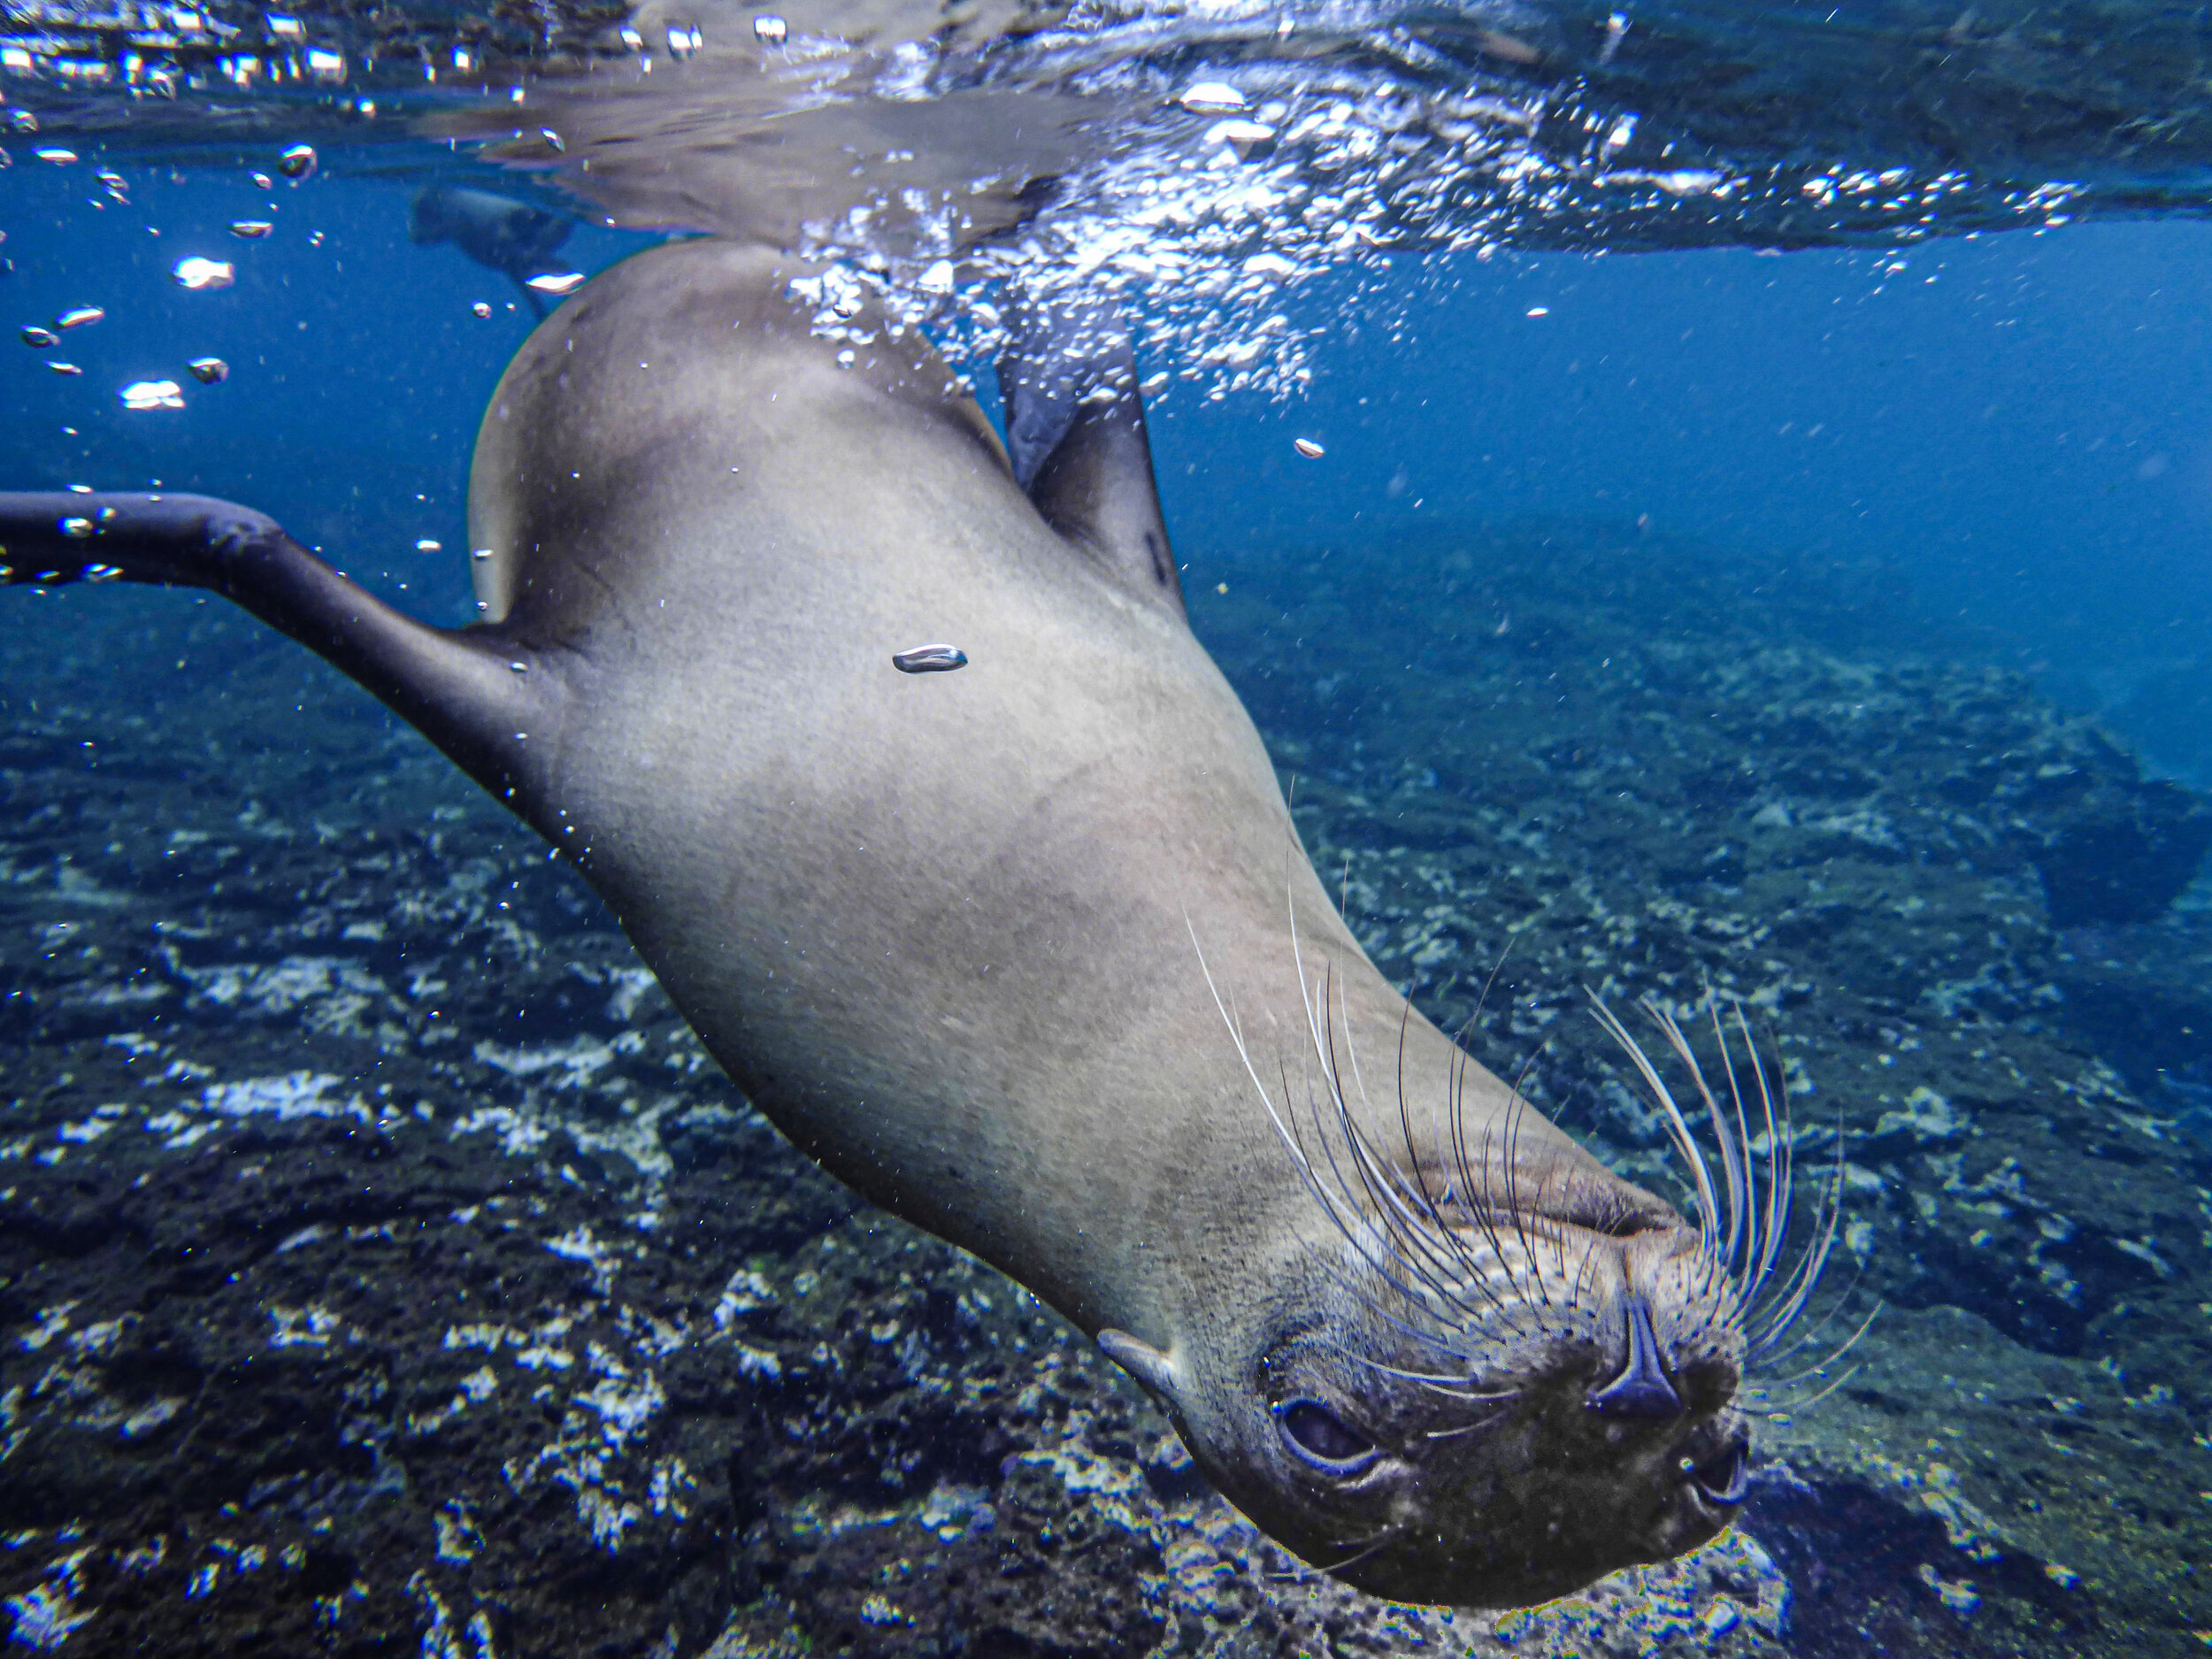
(460, 690)
(1076, 435)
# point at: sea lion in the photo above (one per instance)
(1026, 951)
(499, 233)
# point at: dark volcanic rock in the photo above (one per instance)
(385, 1270)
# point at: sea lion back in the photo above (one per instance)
(685, 383)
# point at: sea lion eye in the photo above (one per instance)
(1324, 1439)
(1726, 1479)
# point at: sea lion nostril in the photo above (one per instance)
(1641, 1390)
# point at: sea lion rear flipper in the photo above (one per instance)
(1076, 434)
(460, 690)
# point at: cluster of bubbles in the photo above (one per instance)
(1228, 152)
(194, 272)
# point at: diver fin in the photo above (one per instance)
(460, 690)
(1076, 435)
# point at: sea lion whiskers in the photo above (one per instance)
(1419, 1244)
(1742, 1242)
(1368, 1547)
(1413, 1218)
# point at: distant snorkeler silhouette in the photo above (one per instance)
(499, 233)
(1026, 953)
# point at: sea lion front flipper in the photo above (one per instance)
(1076, 434)
(460, 690)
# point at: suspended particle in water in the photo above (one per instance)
(770, 30)
(929, 659)
(1212, 97)
(482, 308)
(152, 394)
(200, 274)
(558, 282)
(250, 229)
(63, 368)
(38, 338)
(208, 371)
(298, 162)
(1308, 447)
(79, 317)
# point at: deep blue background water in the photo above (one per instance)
(2022, 420)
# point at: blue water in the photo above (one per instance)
(2002, 441)
(2018, 418)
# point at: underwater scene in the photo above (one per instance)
(897, 828)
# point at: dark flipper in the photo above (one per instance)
(460, 690)
(1075, 429)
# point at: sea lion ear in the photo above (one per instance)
(1076, 435)
(1149, 1366)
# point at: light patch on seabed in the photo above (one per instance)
(443, 1639)
(595, 1432)
(44, 1617)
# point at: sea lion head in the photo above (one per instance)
(1495, 1372)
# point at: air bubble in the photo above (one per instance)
(79, 317)
(1308, 447)
(1248, 139)
(63, 368)
(38, 338)
(1212, 97)
(298, 162)
(557, 282)
(140, 394)
(208, 371)
(78, 529)
(930, 659)
(200, 274)
(250, 229)
(770, 30)
(482, 308)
